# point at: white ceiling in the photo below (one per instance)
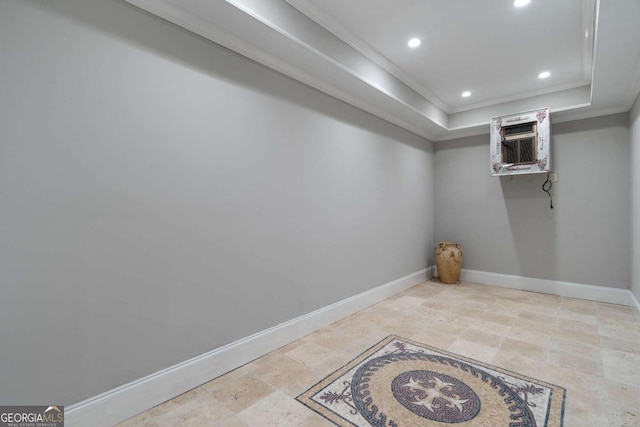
(490, 48)
(356, 50)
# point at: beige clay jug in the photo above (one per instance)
(448, 261)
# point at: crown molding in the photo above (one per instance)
(301, 42)
(359, 45)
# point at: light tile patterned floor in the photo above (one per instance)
(592, 349)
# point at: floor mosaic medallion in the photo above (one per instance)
(399, 383)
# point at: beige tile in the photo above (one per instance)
(232, 376)
(303, 382)
(359, 344)
(382, 309)
(543, 310)
(619, 333)
(492, 328)
(505, 308)
(331, 340)
(453, 296)
(251, 366)
(379, 317)
(141, 420)
(586, 350)
(498, 319)
(476, 303)
(441, 317)
(532, 351)
(435, 339)
(424, 291)
(616, 323)
(518, 363)
(480, 297)
(548, 329)
(229, 422)
(584, 408)
(189, 397)
(361, 329)
(546, 300)
(451, 328)
(339, 325)
(458, 290)
(483, 337)
(572, 337)
(578, 306)
(405, 326)
(436, 305)
(624, 404)
(530, 336)
(285, 349)
(572, 326)
(276, 409)
(242, 392)
(575, 361)
(620, 345)
(621, 367)
(446, 323)
(310, 354)
(339, 359)
(537, 319)
(603, 308)
(408, 302)
(315, 420)
(588, 319)
(465, 311)
(613, 316)
(570, 378)
(511, 295)
(281, 371)
(472, 350)
(203, 411)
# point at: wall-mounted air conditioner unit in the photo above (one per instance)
(520, 143)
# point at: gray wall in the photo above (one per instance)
(161, 196)
(634, 125)
(505, 225)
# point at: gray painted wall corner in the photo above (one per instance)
(506, 225)
(634, 125)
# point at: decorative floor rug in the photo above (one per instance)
(399, 383)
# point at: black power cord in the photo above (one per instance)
(547, 189)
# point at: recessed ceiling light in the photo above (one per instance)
(520, 3)
(544, 75)
(414, 42)
(466, 94)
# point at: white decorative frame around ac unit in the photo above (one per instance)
(529, 132)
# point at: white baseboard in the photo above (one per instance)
(554, 287)
(130, 399)
(635, 300)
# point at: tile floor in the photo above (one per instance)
(592, 349)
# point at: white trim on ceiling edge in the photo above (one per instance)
(135, 397)
(553, 287)
(177, 16)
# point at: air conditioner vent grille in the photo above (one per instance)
(520, 143)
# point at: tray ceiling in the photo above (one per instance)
(356, 50)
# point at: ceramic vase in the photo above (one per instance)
(448, 261)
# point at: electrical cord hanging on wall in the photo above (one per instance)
(547, 189)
